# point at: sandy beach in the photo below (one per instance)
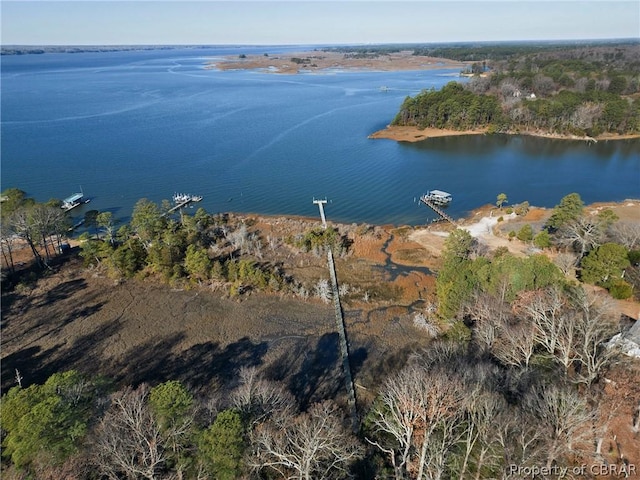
(415, 134)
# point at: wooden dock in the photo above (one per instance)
(436, 209)
(344, 345)
(184, 203)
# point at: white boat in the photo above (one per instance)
(438, 197)
(179, 198)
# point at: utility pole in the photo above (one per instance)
(320, 204)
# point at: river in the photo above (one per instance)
(146, 124)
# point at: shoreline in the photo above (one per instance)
(462, 221)
(416, 134)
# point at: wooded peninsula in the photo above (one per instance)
(586, 91)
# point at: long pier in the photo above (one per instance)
(344, 345)
(439, 211)
(342, 331)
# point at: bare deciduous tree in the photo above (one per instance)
(626, 233)
(22, 226)
(128, 439)
(566, 262)
(586, 115)
(416, 420)
(312, 445)
(260, 398)
(488, 312)
(239, 237)
(546, 309)
(424, 322)
(595, 325)
(516, 343)
(480, 439)
(565, 417)
(582, 235)
(520, 439)
(543, 85)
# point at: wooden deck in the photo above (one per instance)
(436, 209)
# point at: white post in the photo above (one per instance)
(320, 204)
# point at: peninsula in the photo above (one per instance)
(584, 92)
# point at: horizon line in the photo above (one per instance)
(252, 44)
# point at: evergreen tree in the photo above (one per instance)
(222, 445)
(501, 200)
(455, 280)
(569, 209)
(47, 421)
(605, 264)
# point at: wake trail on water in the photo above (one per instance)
(284, 134)
(80, 117)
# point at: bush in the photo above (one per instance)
(526, 233)
(621, 290)
(318, 239)
(542, 239)
(459, 332)
(522, 209)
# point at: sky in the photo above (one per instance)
(298, 22)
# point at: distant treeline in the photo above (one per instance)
(479, 51)
(40, 49)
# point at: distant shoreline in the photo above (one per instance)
(416, 134)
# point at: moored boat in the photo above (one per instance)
(179, 198)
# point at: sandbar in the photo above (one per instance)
(416, 134)
(320, 60)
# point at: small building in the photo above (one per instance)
(438, 197)
(72, 201)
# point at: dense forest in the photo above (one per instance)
(571, 88)
(512, 380)
(588, 90)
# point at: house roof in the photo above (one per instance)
(73, 198)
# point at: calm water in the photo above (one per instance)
(128, 125)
